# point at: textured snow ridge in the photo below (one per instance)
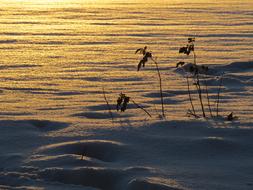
(94, 163)
(98, 149)
(235, 67)
(108, 179)
(144, 158)
(77, 164)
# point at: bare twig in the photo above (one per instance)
(108, 105)
(160, 84)
(194, 57)
(189, 93)
(218, 96)
(200, 94)
(143, 109)
(208, 100)
(192, 114)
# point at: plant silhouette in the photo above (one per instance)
(231, 117)
(146, 56)
(180, 63)
(189, 48)
(197, 71)
(123, 101)
(141, 50)
(108, 105)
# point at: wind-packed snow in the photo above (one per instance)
(189, 154)
(61, 61)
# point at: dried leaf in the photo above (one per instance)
(138, 50)
(191, 40)
(122, 102)
(141, 50)
(124, 105)
(144, 60)
(183, 50)
(119, 101)
(181, 63)
(230, 117)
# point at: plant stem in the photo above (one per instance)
(138, 106)
(200, 95)
(218, 96)
(193, 114)
(194, 57)
(160, 83)
(208, 100)
(190, 98)
(108, 105)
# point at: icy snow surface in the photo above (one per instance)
(56, 57)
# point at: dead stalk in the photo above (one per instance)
(200, 94)
(194, 57)
(160, 84)
(143, 109)
(208, 99)
(218, 96)
(189, 93)
(108, 105)
(193, 114)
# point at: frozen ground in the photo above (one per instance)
(55, 130)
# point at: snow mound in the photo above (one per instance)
(103, 150)
(230, 81)
(107, 178)
(101, 178)
(234, 75)
(17, 136)
(191, 68)
(5, 187)
(150, 184)
(236, 67)
(63, 160)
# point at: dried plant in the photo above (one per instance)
(144, 60)
(197, 84)
(231, 117)
(191, 112)
(195, 70)
(141, 50)
(123, 101)
(189, 48)
(146, 56)
(181, 63)
(208, 99)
